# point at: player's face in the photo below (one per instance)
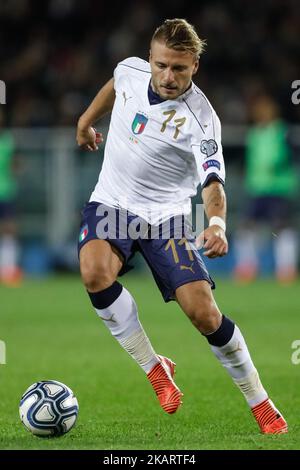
(172, 70)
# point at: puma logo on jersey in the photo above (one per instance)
(125, 99)
(183, 267)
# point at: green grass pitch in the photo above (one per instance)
(52, 332)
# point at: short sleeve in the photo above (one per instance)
(118, 72)
(129, 66)
(208, 152)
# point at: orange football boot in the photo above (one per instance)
(269, 419)
(161, 378)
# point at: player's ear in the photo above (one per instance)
(196, 66)
(150, 55)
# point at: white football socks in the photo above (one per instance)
(121, 318)
(236, 359)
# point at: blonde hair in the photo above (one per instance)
(180, 35)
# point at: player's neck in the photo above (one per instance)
(156, 98)
(187, 88)
(153, 96)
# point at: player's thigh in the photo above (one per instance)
(174, 263)
(99, 260)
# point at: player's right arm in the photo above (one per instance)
(102, 104)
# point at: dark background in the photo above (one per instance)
(56, 54)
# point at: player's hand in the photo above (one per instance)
(88, 138)
(214, 240)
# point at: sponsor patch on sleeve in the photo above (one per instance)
(209, 163)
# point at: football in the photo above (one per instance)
(48, 408)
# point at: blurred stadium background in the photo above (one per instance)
(54, 56)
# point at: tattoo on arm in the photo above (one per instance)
(214, 200)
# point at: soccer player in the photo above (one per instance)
(164, 139)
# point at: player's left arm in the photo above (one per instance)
(214, 238)
(208, 153)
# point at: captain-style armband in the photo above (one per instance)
(215, 220)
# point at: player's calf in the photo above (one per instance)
(198, 304)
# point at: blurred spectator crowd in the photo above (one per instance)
(56, 54)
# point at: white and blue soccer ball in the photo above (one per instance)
(48, 408)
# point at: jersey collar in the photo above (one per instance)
(154, 98)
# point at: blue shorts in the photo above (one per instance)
(173, 261)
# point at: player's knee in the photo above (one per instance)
(96, 276)
(205, 316)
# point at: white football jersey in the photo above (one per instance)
(156, 155)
